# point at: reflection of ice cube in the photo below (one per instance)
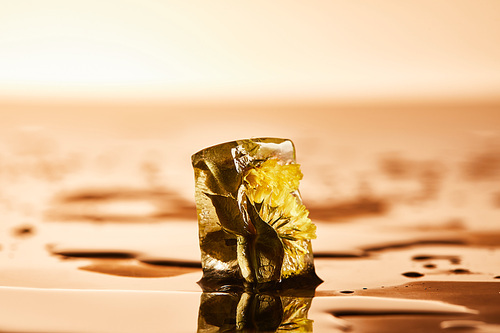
(253, 312)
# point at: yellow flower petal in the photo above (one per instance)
(275, 186)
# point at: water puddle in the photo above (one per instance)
(147, 272)
(452, 259)
(469, 325)
(132, 268)
(99, 235)
(119, 205)
(158, 311)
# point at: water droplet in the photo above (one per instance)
(451, 258)
(348, 291)
(108, 254)
(23, 230)
(422, 257)
(413, 274)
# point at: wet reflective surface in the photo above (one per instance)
(99, 232)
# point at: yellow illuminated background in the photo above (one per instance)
(259, 49)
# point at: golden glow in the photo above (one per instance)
(165, 49)
(275, 186)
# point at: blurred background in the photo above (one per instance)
(394, 107)
(320, 51)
